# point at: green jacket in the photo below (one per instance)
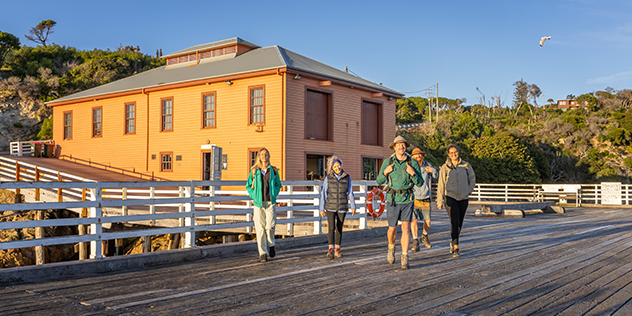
(399, 179)
(255, 193)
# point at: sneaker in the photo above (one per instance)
(263, 258)
(390, 257)
(272, 252)
(330, 254)
(415, 245)
(456, 254)
(451, 248)
(426, 241)
(337, 253)
(405, 262)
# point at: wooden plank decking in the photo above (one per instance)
(578, 263)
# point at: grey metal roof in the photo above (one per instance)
(234, 40)
(259, 59)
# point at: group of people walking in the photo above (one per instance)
(407, 182)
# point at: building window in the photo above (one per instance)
(167, 115)
(371, 123)
(370, 168)
(166, 161)
(257, 104)
(252, 157)
(68, 125)
(208, 110)
(96, 121)
(318, 115)
(130, 118)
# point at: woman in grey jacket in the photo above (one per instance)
(456, 182)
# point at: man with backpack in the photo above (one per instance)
(400, 173)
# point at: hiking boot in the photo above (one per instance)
(415, 245)
(405, 262)
(263, 258)
(456, 254)
(426, 241)
(330, 253)
(390, 257)
(272, 252)
(337, 253)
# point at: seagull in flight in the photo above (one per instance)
(544, 39)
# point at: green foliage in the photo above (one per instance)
(46, 131)
(574, 118)
(8, 42)
(18, 125)
(617, 136)
(503, 158)
(39, 33)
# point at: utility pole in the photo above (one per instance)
(437, 99)
(429, 105)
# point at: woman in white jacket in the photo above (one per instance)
(456, 182)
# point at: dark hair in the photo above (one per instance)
(452, 146)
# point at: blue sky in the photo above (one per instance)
(408, 46)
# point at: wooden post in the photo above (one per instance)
(118, 243)
(317, 224)
(83, 246)
(290, 214)
(37, 178)
(152, 207)
(146, 240)
(17, 175)
(97, 228)
(39, 233)
(211, 193)
(60, 198)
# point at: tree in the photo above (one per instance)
(39, 33)
(521, 94)
(8, 42)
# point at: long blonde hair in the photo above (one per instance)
(330, 164)
(258, 164)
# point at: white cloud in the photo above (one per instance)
(612, 78)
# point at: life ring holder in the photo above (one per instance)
(369, 203)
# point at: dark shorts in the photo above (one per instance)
(398, 212)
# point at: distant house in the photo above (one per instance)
(569, 104)
(236, 95)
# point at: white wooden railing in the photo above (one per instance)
(26, 148)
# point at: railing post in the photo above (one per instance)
(180, 206)
(596, 195)
(249, 216)
(479, 191)
(152, 206)
(124, 197)
(60, 198)
(17, 175)
(211, 205)
(364, 188)
(96, 246)
(37, 178)
(39, 233)
(317, 224)
(83, 246)
(506, 193)
(290, 214)
(189, 221)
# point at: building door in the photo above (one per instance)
(315, 166)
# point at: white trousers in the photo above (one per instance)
(265, 222)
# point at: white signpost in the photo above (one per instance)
(611, 193)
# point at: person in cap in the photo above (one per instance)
(400, 173)
(423, 195)
(336, 198)
(456, 182)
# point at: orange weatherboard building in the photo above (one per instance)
(238, 96)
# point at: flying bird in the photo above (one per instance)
(544, 39)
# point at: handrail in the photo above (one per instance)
(133, 172)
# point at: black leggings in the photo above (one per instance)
(335, 220)
(456, 213)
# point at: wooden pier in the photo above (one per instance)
(576, 263)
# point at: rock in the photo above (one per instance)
(20, 120)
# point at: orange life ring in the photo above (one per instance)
(369, 205)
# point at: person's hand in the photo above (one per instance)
(353, 211)
(429, 169)
(388, 170)
(410, 170)
(439, 205)
(322, 214)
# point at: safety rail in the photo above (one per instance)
(126, 171)
(177, 207)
